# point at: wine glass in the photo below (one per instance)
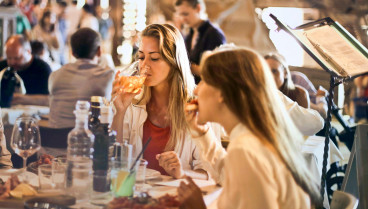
(25, 140)
(131, 78)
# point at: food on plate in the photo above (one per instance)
(165, 202)
(6, 187)
(45, 159)
(192, 105)
(23, 190)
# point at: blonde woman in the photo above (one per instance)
(281, 73)
(158, 112)
(263, 166)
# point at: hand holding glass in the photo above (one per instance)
(131, 79)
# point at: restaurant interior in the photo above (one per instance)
(80, 79)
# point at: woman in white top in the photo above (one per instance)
(158, 112)
(263, 167)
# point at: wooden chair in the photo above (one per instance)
(343, 200)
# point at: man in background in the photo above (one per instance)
(33, 71)
(79, 80)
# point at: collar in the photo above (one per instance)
(238, 130)
(203, 27)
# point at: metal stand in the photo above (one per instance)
(333, 83)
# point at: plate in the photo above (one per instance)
(33, 178)
(152, 174)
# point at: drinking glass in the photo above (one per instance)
(131, 78)
(25, 140)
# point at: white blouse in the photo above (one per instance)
(251, 175)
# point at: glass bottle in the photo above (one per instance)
(9, 83)
(79, 155)
(96, 104)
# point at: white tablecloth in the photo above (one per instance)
(9, 115)
(313, 151)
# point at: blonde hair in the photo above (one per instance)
(180, 78)
(247, 87)
(288, 84)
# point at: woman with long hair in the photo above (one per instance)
(47, 32)
(158, 111)
(284, 83)
(263, 166)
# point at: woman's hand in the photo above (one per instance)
(190, 196)
(121, 98)
(196, 129)
(171, 163)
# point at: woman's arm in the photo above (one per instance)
(302, 97)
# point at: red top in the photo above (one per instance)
(160, 137)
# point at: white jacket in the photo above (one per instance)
(134, 118)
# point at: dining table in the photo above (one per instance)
(155, 187)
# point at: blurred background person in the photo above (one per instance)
(317, 97)
(63, 25)
(78, 80)
(47, 32)
(33, 71)
(203, 34)
(40, 50)
(106, 29)
(284, 83)
(88, 18)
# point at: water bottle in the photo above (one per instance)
(79, 155)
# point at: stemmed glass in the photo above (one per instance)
(25, 140)
(131, 79)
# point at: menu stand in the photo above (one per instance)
(321, 39)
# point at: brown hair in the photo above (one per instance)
(247, 87)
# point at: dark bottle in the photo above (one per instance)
(101, 151)
(96, 104)
(9, 83)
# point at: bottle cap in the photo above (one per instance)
(98, 99)
(82, 106)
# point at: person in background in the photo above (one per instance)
(40, 50)
(63, 25)
(79, 80)
(203, 35)
(88, 19)
(73, 15)
(263, 166)
(106, 28)
(33, 71)
(284, 83)
(158, 112)
(317, 97)
(47, 32)
(5, 156)
(22, 24)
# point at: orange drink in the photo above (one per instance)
(131, 84)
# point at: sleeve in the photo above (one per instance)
(5, 156)
(249, 182)
(302, 116)
(213, 153)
